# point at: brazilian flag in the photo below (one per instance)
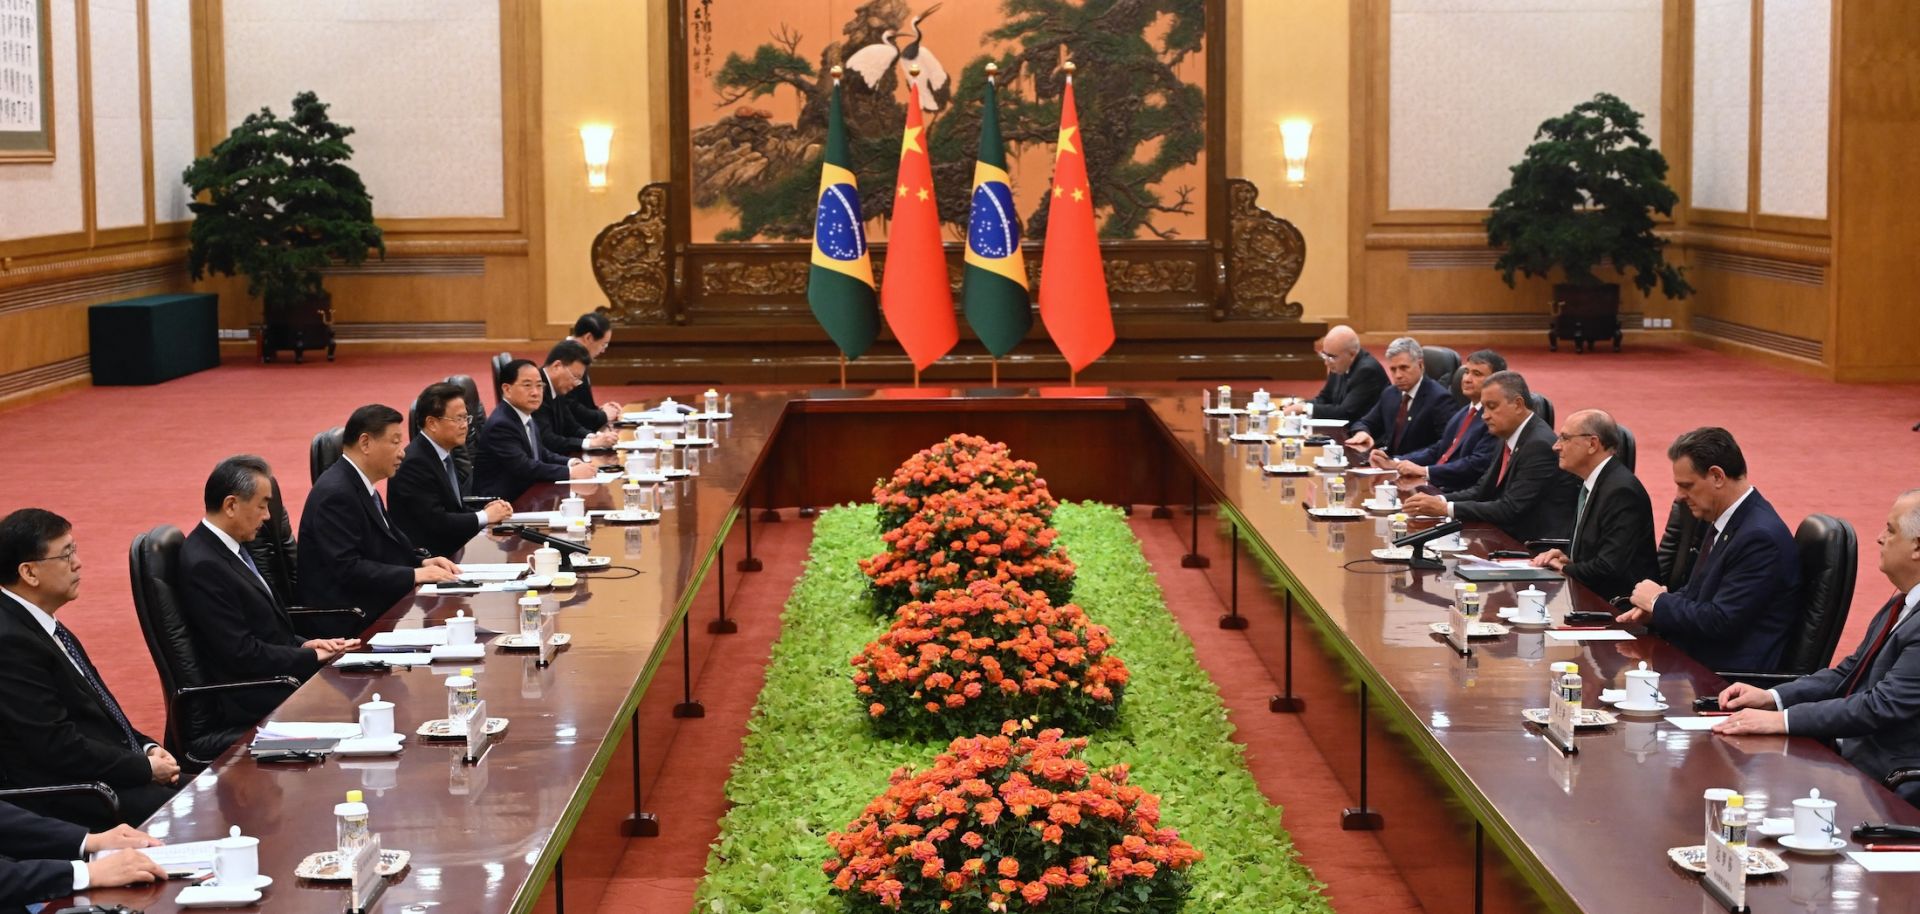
(840, 285)
(995, 289)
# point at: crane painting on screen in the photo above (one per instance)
(872, 61)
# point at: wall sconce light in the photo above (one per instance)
(597, 141)
(1294, 134)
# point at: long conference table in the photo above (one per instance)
(1476, 809)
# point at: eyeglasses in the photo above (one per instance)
(1327, 357)
(67, 555)
(457, 420)
(1564, 438)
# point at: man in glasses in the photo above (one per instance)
(434, 504)
(62, 724)
(510, 457)
(1354, 377)
(561, 429)
(1524, 492)
(1612, 545)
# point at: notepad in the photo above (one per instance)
(1605, 634)
(300, 729)
(1694, 723)
(410, 637)
(177, 859)
(1886, 861)
(421, 659)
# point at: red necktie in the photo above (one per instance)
(1506, 455)
(1892, 609)
(1400, 423)
(1473, 415)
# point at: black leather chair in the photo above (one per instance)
(476, 415)
(1625, 452)
(1679, 545)
(499, 361)
(1899, 776)
(195, 733)
(324, 451)
(277, 554)
(1543, 407)
(1441, 363)
(1829, 551)
(28, 798)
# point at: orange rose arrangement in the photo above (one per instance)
(961, 536)
(964, 661)
(959, 462)
(1003, 824)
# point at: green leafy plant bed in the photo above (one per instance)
(811, 762)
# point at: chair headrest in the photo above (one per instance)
(1829, 554)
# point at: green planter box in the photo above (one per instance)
(153, 339)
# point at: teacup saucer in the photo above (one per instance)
(1793, 843)
(1774, 828)
(259, 882)
(1633, 709)
(1517, 622)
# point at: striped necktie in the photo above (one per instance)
(78, 655)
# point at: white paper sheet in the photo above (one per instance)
(1694, 723)
(390, 659)
(1327, 423)
(487, 587)
(1605, 634)
(599, 480)
(301, 729)
(1372, 471)
(511, 571)
(533, 517)
(192, 856)
(445, 652)
(1886, 861)
(410, 637)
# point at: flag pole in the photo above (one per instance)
(843, 371)
(1066, 63)
(995, 361)
(916, 379)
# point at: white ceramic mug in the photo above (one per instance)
(460, 628)
(1334, 454)
(573, 506)
(1813, 820)
(1386, 494)
(236, 860)
(1532, 604)
(376, 716)
(1643, 687)
(545, 561)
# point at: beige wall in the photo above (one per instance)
(596, 69)
(1306, 80)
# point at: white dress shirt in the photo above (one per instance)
(233, 546)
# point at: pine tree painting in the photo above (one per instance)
(759, 84)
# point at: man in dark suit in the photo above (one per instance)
(1743, 597)
(241, 628)
(428, 489)
(509, 457)
(1354, 377)
(1524, 491)
(1411, 413)
(1465, 448)
(42, 858)
(1868, 704)
(561, 429)
(62, 726)
(1612, 547)
(351, 553)
(594, 332)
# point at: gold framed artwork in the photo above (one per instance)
(26, 81)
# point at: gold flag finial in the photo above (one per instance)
(913, 70)
(1068, 66)
(992, 68)
(837, 71)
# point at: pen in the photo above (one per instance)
(1893, 847)
(1715, 713)
(1581, 628)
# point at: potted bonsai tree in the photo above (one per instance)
(1582, 198)
(277, 202)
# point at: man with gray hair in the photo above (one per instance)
(1354, 377)
(1524, 491)
(1411, 413)
(1867, 704)
(240, 627)
(1612, 545)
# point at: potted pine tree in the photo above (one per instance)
(1583, 198)
(277, 202)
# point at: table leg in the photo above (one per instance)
(1286, 702)
(1361, 818)
(641, 824)
(1232, 620)
(722, 625)
(749, 563)
(1193, 558)
(560, 885)
(688, 708)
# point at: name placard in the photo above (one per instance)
(1726, 878)
(477, 731)
(546, 640)
(1561, 720)
(367, 881)
(1457, 624)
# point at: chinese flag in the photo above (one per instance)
(914, 293)
(1073, 285)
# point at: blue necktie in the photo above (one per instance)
(452, 477)
(533, 439)
(79, 657)
(246, 558)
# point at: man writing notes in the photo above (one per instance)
(1743, 596)
(1868, 704)
(594, 332)
(1524, 491)
(1465, 448)
(509, 457)
(62, 724)
(1612, 543)
(242, 630)
(351, 553)
(1412, 412)
(42, 858)
(561, 429)
(428, 488)
(1354, 377)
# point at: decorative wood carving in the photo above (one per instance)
(737, 277)
(1265, 255)
(1127, 277)
(630, 261)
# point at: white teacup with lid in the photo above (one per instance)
(376, 718)
(460, 628)
(1532, 606)
(1813, 820)
(236, 861)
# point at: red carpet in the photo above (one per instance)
(170, 435)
